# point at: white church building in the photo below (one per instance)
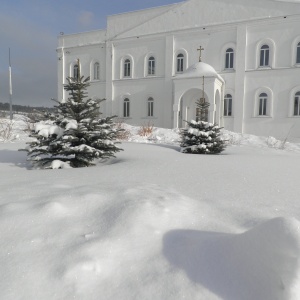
(146, 65)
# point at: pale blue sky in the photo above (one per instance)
(30, 28)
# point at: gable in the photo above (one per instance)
(201, 13)
(125, 22)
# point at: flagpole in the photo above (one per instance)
(10, 87)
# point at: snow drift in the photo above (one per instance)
(153, 224)
(262, 263)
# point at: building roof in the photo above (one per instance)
(202, 13)
(200, 69)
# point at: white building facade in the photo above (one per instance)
(146, 65)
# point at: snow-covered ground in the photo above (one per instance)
(153, 223)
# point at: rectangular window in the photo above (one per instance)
(96, 71)
(151, 67)
(76, 72)
(267, 57)
(150, 108)
(225, 107)
(180, 64)
(126, 110)
(127, 68)
(262, 106)
(296, 107)
(229, 60)
(228, 105)
(264, 57)
(298, 55)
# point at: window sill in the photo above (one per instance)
(263, 117)
(151, 76)
(228, 117)
(149, 118)
(229, 70)
(137, 78)
(264, 68)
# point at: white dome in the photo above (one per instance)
(200, 69)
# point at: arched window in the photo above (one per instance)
(96, 71)
(76, 72)
(150, 107)
(127, 68)
(228, 105)
(264, 56)
(180, 62)
(151, 66)
(298, 54)
(262, 104)
(229, 56)
(126, 108)
(297, 104)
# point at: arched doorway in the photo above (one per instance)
(188, 108)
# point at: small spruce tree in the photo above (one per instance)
(202, 110)
(76, 134)
(201, 137)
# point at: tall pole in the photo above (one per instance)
(200, 59)
(10, 87)
(203, 87)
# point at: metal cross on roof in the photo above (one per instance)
(200, 54)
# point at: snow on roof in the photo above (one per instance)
(200, 69)
(194, 14)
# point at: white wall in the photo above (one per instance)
(243, 82)
(138, 50)
(138, 93)
(88, 55)
(280, 79)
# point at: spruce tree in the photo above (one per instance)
(202, 109)
(201, 137)
(75, 134)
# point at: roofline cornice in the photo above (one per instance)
(209, 28)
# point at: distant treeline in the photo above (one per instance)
(25, 109)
